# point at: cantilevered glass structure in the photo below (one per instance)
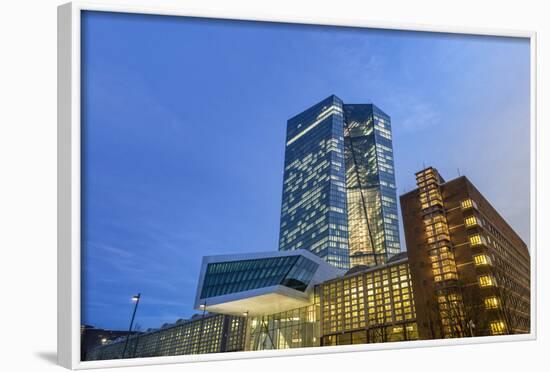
(260, 283)
(339, 195)
(238, 276)
(313, 211)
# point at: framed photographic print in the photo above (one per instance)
(237, 186)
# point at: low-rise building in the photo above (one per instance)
(203, 334)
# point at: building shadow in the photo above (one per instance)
(48, 356)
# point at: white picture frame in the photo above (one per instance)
(69, 203)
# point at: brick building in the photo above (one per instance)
(470, 270)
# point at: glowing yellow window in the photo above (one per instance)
(482, 259)
(450, 276)
(475, 240)
(470, 221)
(498, 327)
(486, 281)
(397, 329)
(491, 303)
(467, 203)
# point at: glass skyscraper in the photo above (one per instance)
(313, 211)
(339, 198)
(373, 225)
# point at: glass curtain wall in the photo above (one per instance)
(370, 183)
(371, 306)
(238, 276)
(289, 329)
(313, 210)
(209, 334)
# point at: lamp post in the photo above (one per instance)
(136, 300)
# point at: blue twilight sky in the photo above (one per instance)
(184, 124)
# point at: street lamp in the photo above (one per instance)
(136, 300)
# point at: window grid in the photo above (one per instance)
(367, 300)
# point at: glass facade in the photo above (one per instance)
(288, 329)
(203, 335)
(391, 333)
(339, 195)
(371, 306)
(375, 305)
(223, 278)
(313, 210)
(370, 182)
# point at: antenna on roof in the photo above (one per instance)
(423, 165)
(458, 170)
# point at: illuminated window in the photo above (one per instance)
(482, 259)
(498, 327)
(470, 221)
(475, 240)
(449, 276)
(467, 203)
(491, 303)
(486, 281)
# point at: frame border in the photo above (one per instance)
(69, 181)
